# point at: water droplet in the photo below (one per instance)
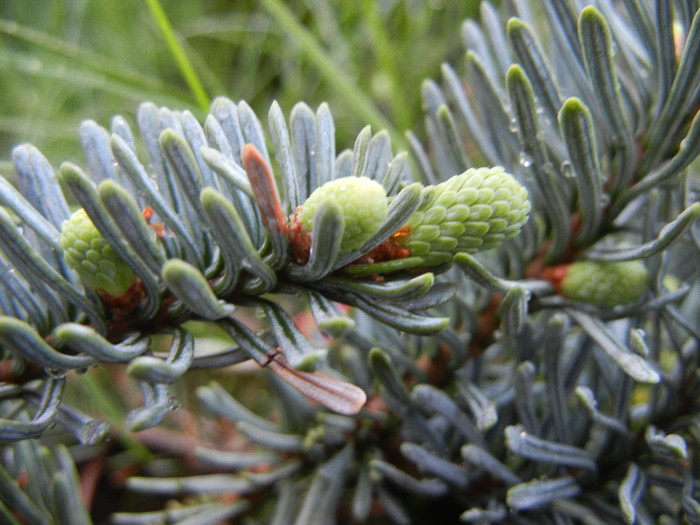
(547, 167)
(567, 169)
(525, 159)
(513, 126)
(94, 432)
(605, 200)
(173, 403)
(56, 373)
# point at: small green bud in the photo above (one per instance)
(363, 204)
(92, 258)
(605, 284)
(471, 212)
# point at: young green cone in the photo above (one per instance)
(605, 284)
(363, 204)
(471, 212)
(92, 258)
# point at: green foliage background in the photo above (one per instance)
(62, 61)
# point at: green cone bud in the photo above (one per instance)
(89, 254)
(363, 204)
(605, 284)
(471, 212)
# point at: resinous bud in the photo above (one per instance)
(605, 284)
(92, 258)
(363, 204)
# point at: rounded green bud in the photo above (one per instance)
(92, 258)
(471, 212)
(362, 202)
(605, 284)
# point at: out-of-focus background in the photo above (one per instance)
(62, 61)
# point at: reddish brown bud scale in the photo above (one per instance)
(339, 396)
(299, 240)
(264, 189)
(555, 275)
(148, 214)
(388, 250)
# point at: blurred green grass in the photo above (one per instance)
(62, 61)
